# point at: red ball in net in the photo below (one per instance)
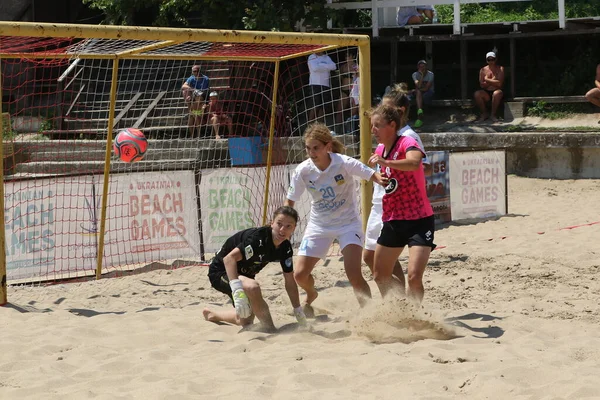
(130, 145)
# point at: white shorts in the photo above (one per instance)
(317, 240)
(374, 226)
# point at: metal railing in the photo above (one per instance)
(387, 9)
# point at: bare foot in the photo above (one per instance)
(482, 118)
(209, 315)
(494, 119)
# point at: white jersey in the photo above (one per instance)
(332, 191)
(378, 190)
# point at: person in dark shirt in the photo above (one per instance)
(244, 255)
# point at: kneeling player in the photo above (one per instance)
(242, 256)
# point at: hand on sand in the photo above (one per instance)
(240, 300)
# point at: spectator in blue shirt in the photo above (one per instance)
(194, 92)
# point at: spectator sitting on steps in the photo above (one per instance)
(491, 80)
(217, 116)
(593, 96)
(194, 93)
(424, 90)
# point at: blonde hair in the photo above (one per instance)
(320, 132)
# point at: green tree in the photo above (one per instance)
(240, 14)
(517, 11)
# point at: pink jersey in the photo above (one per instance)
(405, 196)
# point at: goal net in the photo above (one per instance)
(223, 112)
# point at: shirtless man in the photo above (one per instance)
(491, 80)
(593, 96)
(347, 70)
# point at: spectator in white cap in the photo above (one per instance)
(217, 116)
(491, 81)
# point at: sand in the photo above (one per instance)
(511, 311)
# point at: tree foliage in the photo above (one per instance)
(517, 11)
(283, 15)
(217, 14)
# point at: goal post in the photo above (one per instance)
(69, 88)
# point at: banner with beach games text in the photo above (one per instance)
(232, 200)
(478, 184)
(54, 226)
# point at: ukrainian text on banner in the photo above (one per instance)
(477, 184)
(438, 186)
(52, 228)
(232, 200)
(40, 221)
(151, 216)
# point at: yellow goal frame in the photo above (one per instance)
(164, 38)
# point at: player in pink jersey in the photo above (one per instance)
(396, 97)
(407, 213)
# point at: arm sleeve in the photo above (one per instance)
(356, 168)
(205, 83)
(409, 143)
(297, 186)
(328, 64)
(319, 64)
(313, 63)
(248, 245)
(287, 259)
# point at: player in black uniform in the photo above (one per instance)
(242, 256)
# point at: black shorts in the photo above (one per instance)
(219, 280)
(400, 233)
(320, 95)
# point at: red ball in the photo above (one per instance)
(130, 145)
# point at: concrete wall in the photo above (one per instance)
(553, 155)
(536, 155)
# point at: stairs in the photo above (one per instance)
(51, 158)
(38, 159)
(148, 97)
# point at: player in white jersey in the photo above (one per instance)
(329, 178)
(397, 98)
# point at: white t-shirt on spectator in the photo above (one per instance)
(320, 67)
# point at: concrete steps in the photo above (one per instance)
(40, 158)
